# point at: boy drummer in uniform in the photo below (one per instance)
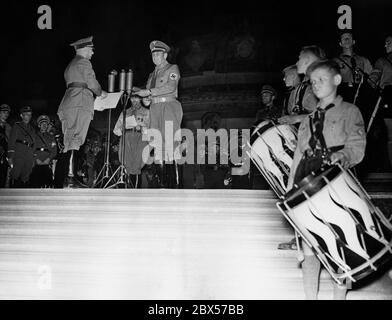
(337, 128)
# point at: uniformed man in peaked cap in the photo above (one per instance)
(269, 110)
(5, 130)
(45, 151)
(21, 149)
(162, 87)
(382, 76)
(76, 110)
(350, 65)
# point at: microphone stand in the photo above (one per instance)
(106, 168)
(126, 80)
(122, 170)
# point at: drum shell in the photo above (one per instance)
(272, 149)
(336, 217)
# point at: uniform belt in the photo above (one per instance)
(351, 84)
(133, 130)
(77, 85)
(42, 149)
(30, 145)
(162, 99)
(309, 153)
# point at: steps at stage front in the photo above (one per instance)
(151, 244)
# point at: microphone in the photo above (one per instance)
(122, 80)
(112, 76)
(129, 81)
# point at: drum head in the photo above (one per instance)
(259, 129)
(311, 184)
(259, 124)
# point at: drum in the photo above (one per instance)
(272, 149)
(336, 217)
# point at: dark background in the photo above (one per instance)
(33, 60)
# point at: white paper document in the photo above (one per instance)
(110, 102)
(130, 122)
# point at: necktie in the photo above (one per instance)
(317, 122)
(153, 79)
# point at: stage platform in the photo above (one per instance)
(153, 244)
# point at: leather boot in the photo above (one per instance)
(173, 175)
(169, 175)
(70, 180)
(178, 170)
(161, 173)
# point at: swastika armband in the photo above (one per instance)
(173, 76)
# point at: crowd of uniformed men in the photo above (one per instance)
(33, 155)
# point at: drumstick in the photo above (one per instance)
(374, 114)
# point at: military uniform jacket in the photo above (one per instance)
(347, 73)
(343, 126)
(45, 146)
(267, 113)
(5, 131)
(302, 99)
(22, 140)
(163, 81)
(382, 72)
(80, 70)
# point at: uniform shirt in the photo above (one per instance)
(343, 125)
(272, 112)
(382, 72)
(80, 70)
(347, 74)
(163, 81)
(22, 132)
(286, 100)
(309, 100)
(142, 118)
(45, 141)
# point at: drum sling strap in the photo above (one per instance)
(299, 97)
(353, 67)
(286, 100)
(314, 158)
